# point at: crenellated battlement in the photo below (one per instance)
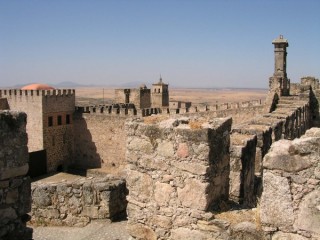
(130, 110)
(45, 93)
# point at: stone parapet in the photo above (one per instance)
(48, 93)
(75, 202)
(289, 207)
(275, 123)
(264, 140)
(14, 150)
(15, 197)
(178, 169)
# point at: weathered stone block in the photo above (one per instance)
(163, 192)
(277, 210)
(140, 185)
(91, 211)
(284, 157)
(308, 218)
(41, 197)
(194, 194)
(141, 231)
(188, 234)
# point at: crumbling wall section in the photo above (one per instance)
(15, 196)
(177, 170)
(289, 207)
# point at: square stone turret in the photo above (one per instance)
(160, 94)
(279, 82)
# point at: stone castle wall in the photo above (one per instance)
(40, 105)
(100, 136)
(177, 170)
(77, 202)
(15, 188)
(238, 113)
(100, 141)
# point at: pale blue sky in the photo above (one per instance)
(191, 43)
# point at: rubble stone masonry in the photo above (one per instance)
(178, 170)
(15, 187)
(75, 201)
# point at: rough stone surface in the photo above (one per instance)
(181, 173)
(245, 231)
(15, 196)
(308, 218)
(287, 236)
(278, 209)
(77, 202)
(291, 190)
(100, 141)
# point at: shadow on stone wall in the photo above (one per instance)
(314, 106)
(86, 155)
(37, 163)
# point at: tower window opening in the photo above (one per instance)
(68, 119)
(50, 121)
(59, 120)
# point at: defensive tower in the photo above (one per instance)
(160, 94)
(49, 122)
(279, 82)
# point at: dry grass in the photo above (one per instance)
(155, 119)
(237, 216)
(196, 124)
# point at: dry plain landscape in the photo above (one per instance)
(100, 95)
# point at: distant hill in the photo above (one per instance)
(70, 85)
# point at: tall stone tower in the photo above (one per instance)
(279, 82)
(159, 94)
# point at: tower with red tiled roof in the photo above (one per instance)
(49, 121)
